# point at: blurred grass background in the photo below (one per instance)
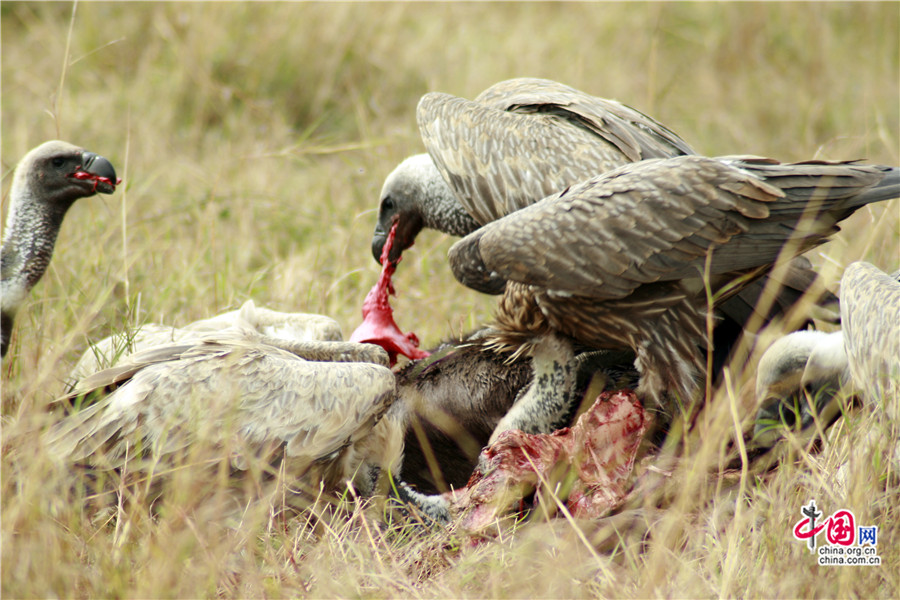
(254, 138)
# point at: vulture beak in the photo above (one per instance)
(379, 240)
(379, 237)
(100, 170)
(405, 236)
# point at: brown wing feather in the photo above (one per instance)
(644, 223)
(635, 135)
(655, 221)
(499, 156)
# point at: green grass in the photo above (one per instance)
(254, 139)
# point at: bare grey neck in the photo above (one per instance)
(31, 230)
(439, 206)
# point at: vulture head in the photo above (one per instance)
(415, 196)
(47, 181)
(60, 173)
(798, 380)
(399, 205)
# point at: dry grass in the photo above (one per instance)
(254, 139)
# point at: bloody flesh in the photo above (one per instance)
(378, 326)
(97, 179)
(598, 453)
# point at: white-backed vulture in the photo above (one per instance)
(523, 140)
(236, 390)
(313, 408)
(618, 261)
(517, 142)
(862, 359)
(47, 181)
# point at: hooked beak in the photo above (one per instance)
(407, 230)
(105, 179)
(379, 239)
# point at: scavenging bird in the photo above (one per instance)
(232, 369)
(47, 181)
(862, 359)
(312, 409)
(623, 260)
(525, 139)
(519, 141)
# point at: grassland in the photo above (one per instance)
(254, 138)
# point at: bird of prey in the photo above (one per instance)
(47, 181)
(311, 409)
(809, 368)
(517, 142)
(636, 257)
(523, 140)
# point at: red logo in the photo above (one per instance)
(841, 528)
(802, 535)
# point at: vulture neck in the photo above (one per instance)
(31, 229)
(442, 209)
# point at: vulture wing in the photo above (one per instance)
(245, 396)
(657, 220)
(870, 320)
(517, 144)
(635, 135)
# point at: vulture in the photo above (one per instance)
(807, 361)
(310, 408)
(522, 140)
(633, 259)
(47, 181)
(332, 421)
(525, 139)
(862, 359)
(517, 142)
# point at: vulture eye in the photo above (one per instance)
(58, 161)
(387, 204)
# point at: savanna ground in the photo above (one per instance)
(254, 138)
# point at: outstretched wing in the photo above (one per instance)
(239, 395)
(656, 221)
(635, 135)
(518, 144)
